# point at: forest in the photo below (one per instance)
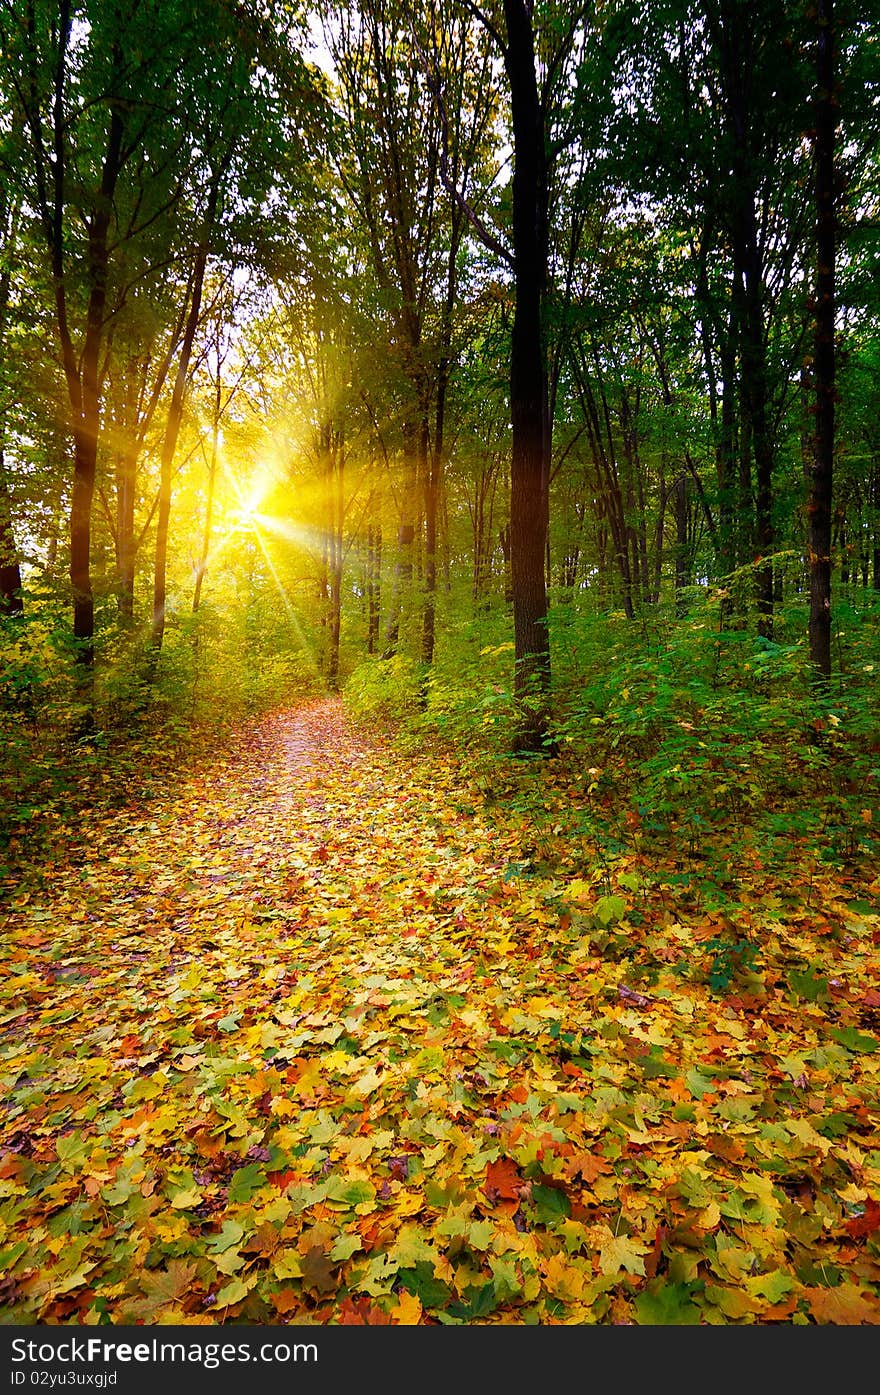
(439, 654)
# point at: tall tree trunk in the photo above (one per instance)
(875, 525)
(84, 387)
(434, 463)
(11, 602)
(175, 416)
(406, 532)
(530, 454)
(504, 544)
(374, 585)
(336, 510)
(682, 549)
(126, 469)
(736, 40)
(432, 489)
(725, 453)
(209, 499)
(822, 471)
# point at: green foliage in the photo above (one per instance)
(696, 729)
(465, 698)
(731, 958)
(384, 688)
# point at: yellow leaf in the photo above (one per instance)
(580, 890)
(366, 1084)
(564, 1280)
(235, 1291)
(408, 1311)
(617, 1252)
(287, 1265)
(282, 1107)
(709, 1217)
(184, 1199)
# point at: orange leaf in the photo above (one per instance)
(360, 1312)
(846, 1306)
(867, 1223)
(502, 1180)
(587, 1165)
(285, 1300)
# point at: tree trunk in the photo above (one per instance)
(406, 533)
(11, 602)
(822, 468)
(374, 585)
(172, 424)
(530, 455)
(126, 467)
(679, 498)
(875, 525)
(209, 500)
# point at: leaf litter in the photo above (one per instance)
(314, 1038)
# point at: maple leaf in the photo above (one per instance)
(373, 1125)
(317, 1271)
(867, 1223)
(503, 1181)
(360, 1312)
(564, 1279)
(667, 1305)
(162, 1288)
(407, 1311)
(285, 1301)
(589, 1166)
(620, 1253)
(847, 1305)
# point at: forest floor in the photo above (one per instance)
(315, 1036)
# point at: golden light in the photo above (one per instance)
(245, 518)
(249, 499)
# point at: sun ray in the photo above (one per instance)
(285, 600)
(310, 539)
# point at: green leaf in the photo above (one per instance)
(350, 1192)
(855, 1040)
(631, 880)
(72, 1150)
(230, 1235)
(245, 1181)
(808, 985)
(10, 1256)
(422, 1282)
(479, 1302)
(551, 1204)
(610, 908)
(666, 1305)
(861, 907)
(344, 1246)
(698, 1084)
(234, 1292)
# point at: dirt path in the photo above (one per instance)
(291, 1044)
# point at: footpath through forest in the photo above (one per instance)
(306, 1041)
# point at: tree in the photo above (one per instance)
(822, 473)
(11, 602)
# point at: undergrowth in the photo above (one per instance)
(701, 745)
